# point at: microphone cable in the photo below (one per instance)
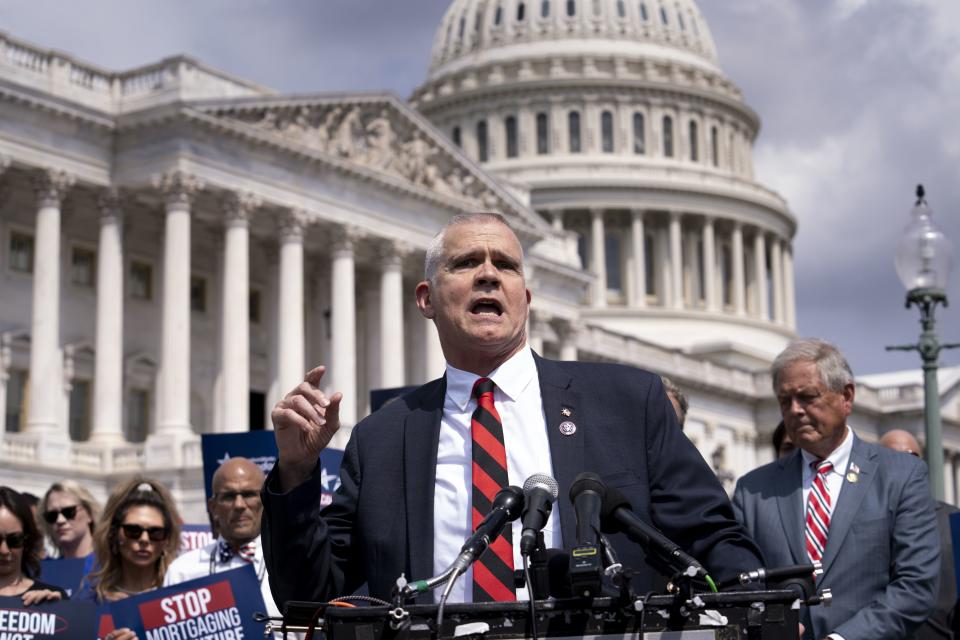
(532, 597)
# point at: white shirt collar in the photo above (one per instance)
(839, 456)
(511, 378)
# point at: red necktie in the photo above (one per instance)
(818, 512)
(493, 571)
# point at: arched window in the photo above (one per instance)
(521, 11)
(639, 134)
(650, 263)
(643, 11)
(543, 134)
(715, 146)
(683, 27)
(573, 121)
(456, 136)
(463, 27)
(606, 131)
(571, 8)
(726, 275)
(621, 9)
(668, 136)
(663, 16)
(483, 152)
(694, 142)
(545, 9)
(497, 16)
(510, 127)
(478, 23)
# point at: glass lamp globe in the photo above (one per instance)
(924, 254)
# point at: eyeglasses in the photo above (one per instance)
(229, 497)
(68, 512)
(134, 531)
(13, 540)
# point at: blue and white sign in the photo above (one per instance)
(62, 620)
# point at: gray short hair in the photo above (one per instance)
(435, 249)
(834, 369)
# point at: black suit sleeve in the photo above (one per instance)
(687, 502)
(309, 551)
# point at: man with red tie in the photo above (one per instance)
(864, 512)
(420, 473)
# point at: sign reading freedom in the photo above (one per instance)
(217, 607)
(62, 620)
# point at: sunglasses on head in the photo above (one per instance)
(134, 531)
(68, 512)
(13, 540)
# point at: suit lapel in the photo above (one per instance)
(851, 496)
(790, 504)
(421, 437)
(566, 451)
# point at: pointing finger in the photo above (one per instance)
(315, 375)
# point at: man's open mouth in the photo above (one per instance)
(486, 307)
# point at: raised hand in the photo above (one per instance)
(304, 421)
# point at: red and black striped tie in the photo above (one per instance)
(493, 571)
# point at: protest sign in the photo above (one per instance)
(194, 536)
(218, 606)
(61, 620)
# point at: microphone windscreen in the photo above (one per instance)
(612, 500)
(587, 481)
(542, 481)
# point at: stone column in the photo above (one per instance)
(46, 375)
(598, 258)
(739, 280)
(178, 189)
(235, 318)
(291, 336)
(108, 363)
(568, 340)
(639, 251)
(536, 328)
(435, 363)
(789, 294)
(556, 219)
(343, 323)
(676, 261)
(710, 266)
(760, 273)
(776, 263)
(392, 361)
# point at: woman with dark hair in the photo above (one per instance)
(20, 545)
(137, 538)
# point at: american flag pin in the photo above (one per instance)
(566, 412)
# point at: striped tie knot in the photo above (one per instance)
(822, 467)
(482, 387)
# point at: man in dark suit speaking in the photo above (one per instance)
(864, 511)
(418, 474)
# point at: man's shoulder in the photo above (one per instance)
(596, 370)
(894, 465)
(427, 396)
(762, 476)
(190, 565)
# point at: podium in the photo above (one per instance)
(738, 615)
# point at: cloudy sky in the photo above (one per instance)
(859, 101)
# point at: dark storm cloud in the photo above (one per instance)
(858, 100)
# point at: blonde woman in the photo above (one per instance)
(136, 539)
(68, 514)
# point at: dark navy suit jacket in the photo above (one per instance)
(380, 523)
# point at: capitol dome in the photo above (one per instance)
(473, 31)
(615, 119)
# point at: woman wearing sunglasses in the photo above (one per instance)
(137, 538)
(20, 544)
(68, 513)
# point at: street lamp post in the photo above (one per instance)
(924, 259)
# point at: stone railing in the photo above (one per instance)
(115, 92)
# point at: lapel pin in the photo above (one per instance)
(853, 474)
(566, 412)
(567, 428)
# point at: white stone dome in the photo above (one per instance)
(475, 32)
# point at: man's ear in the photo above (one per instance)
(423, 300)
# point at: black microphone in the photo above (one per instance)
(507, 505)
(586, 494)
(539, 491)
(617, 516)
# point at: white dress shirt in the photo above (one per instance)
(840, 457)
(517, 399)
(202, 562)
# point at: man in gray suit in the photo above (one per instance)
(864, 511)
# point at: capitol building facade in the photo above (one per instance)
(178, 246)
